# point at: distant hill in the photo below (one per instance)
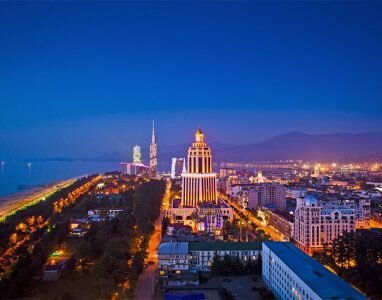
(293, 145)
(296, 145)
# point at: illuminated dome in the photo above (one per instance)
(310, 200)
(199, 131)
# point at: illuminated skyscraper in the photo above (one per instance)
(199, 182)
(136, 154)
(153, 154)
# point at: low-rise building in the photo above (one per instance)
(173, 258)
(102, 214)
(202, 253)
(53, 268)
(291, 274)
(179, 257)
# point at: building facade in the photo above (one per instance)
(173, 257)
(224, 172)
(137, 157)
(291, 274)
(188, 256)
(199, 182)
(202, 253)
(153, 154)
(272, 193)
(261, 194)
(316, 224)
(281, 221)
(199, 206)
(134, 169)
(362, 209)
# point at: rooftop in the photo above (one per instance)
(324, 283)
(284, 214)
(173, 248)
(223, 246)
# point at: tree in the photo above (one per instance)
(165, 223)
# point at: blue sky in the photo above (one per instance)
(86, 78)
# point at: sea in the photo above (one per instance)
(18, 175)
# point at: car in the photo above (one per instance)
(227, 280)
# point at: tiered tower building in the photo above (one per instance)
(153, 154)
(199, 182)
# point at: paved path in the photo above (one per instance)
(13, 202)
(145, 289)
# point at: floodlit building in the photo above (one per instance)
(134, 169)
(137, 155)
(199, 206)
(199, 182)
(153, 154)
(291, 274)
(316, 223)
(363, 212)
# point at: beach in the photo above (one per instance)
(13, 202)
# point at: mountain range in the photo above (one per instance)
(289, 146)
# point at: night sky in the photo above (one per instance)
(86, 78)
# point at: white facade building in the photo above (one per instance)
(291, 274)
(363, 212)
(316, 224)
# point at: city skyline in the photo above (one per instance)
(190, 149)
(83, 80)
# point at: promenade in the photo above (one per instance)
(9, 204)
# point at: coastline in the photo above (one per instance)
(9, 204)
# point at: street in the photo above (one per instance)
(267, 229)
(145, 289)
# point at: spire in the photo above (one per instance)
(153, 137)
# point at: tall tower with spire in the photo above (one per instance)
(153, 154)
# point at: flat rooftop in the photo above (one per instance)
(173, 248)
(224, 246)
(323, 282)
